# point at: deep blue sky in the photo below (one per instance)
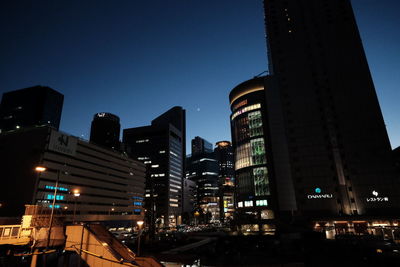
(138, 58)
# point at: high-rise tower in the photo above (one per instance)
(161, 146)
(224, 154)
(326, 123)
(30, 107)
(105, 130)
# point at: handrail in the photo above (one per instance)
(8, 232)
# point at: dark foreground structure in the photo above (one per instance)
(28, 107)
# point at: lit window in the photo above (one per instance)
(162, 152)
(245, 109)
(58, 197)
(155, 166)
(142, 141)
(240, 204)
(262, 202)
(173, 205)
(173, 200)
(248, 203)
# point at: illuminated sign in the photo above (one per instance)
(376, 198)
(318, 194)
(240, 104)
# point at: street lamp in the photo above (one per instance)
(42, 169)
(140, 224)
(76, 195)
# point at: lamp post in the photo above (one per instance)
(42, 169)
(140, 224)
(76, 195)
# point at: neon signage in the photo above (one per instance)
(318, 194)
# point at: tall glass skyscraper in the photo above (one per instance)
(224, 155)
(202, 168)
(161, 147)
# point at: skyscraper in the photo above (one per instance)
(200, 145)
(105, 130)
(202, 167)
(327, 131)
(161, 146)
(29, 107)
(224, 155)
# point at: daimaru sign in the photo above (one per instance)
(318, 194)
(63, 143)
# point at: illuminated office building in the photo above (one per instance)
(161, 147)
(224, 154)
(202, 168)
(110, 185)
(255, 197)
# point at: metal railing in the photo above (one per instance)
(15, 234)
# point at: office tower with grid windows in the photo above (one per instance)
(161, 147)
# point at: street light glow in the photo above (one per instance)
(76, 193)
(140, 223)
(40, 169)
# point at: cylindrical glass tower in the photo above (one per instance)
(254, 197)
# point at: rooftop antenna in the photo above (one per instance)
(265, 71)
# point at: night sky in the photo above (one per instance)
(138, 58)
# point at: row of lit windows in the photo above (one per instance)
(209, 173)
(245, 109)
(142, 141)
(176, 186)
(249, 203)
(58, 197)
(250, 154)
(158, 175)
(59, 188)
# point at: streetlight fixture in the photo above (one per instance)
(140, 224)
(42, 169)
(76, 195)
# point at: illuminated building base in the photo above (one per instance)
(387, 228)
